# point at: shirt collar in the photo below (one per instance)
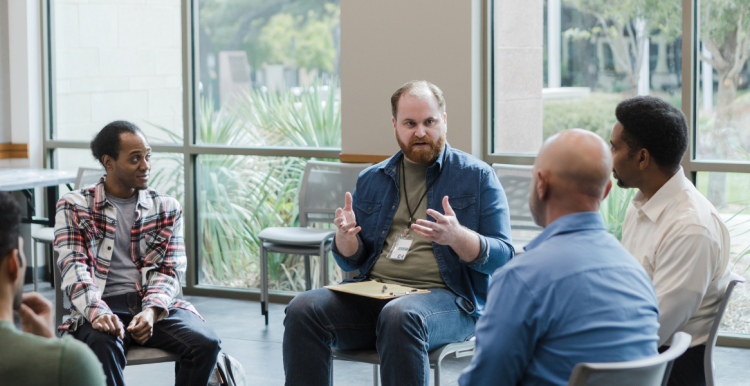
(653, 207)
(567, 224)
(100, 196)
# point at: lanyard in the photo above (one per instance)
(406, 193)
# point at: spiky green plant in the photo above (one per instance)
(613, 209)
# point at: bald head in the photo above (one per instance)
(579, 161)
(571, 174)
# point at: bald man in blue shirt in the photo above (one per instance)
(576, 295)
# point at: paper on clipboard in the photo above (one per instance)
(374, 289)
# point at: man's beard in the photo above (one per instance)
(422, 156)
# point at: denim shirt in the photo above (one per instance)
(477, 199)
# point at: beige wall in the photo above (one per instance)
(386, 43)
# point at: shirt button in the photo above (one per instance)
(109, 248)
(393, 207)
(383, 232)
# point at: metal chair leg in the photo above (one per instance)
(34, 273)
(437, 374)
(263, 281)
(324, 263)
(308, 279)
(376, 375)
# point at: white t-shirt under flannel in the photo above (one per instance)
(682, 243)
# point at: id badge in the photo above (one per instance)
(400, 247)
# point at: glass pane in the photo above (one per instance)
(728, 193)
(118, 60)
(581, 59)
(270, 70)
(166, 169)
(238, 197)
(723, 103)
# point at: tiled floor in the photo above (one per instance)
(258, 347)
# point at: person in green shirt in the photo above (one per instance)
(34, 357)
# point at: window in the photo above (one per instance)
(583, 57)
(264, 97)
(117, 60)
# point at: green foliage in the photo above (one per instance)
(613, 208)
(595, 113)
(238, 196)
(264, 29)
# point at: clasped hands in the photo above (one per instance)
(446, 229)
(141, 327)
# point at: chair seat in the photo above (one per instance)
(44, 235)
(371, 356)
(138, 355)
(295, 235)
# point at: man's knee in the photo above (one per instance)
(305, 305)
(101, 342)
(395, 319)
(210, 344)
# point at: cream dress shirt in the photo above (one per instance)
(682, 243)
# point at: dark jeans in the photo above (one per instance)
(182, 332)
(403, 330)
(688, 368)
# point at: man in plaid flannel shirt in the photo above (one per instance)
(121, 255)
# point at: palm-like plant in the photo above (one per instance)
(240, 195)
(613, 209)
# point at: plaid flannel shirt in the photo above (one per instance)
(84, 238)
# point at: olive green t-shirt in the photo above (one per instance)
(30, 360)
(419, 269)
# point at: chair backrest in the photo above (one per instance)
(642, 372)
(516, 181)
(88, 176)
(708, 363)
(324, 185)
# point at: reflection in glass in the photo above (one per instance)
(733, 204)
(724, 99)
(238, 197)
(272, 66)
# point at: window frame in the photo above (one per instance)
(190, 148)
(691, 166)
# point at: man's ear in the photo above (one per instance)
(607, 189)
(445, 121)
(393, 119)
(13, 264)
(107, 162)
(644, 159)
(542, 185)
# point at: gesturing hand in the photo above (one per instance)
(36, 315)
(346, 228)
(345, 221)
(445, 231)
(110, 324)
(142, 325)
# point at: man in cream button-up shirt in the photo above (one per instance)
(673, 230)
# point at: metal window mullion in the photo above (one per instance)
(189, 46)
(689, 65)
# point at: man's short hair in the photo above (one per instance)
(107, 141)
(10, 217)
(655, 125)
(410, 88)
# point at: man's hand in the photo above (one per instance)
(36, 315)
(110, 324)
(447, 231)
(346, 228)
(142, 326)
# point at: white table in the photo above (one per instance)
(27, 179)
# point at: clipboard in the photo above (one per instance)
(374, 289)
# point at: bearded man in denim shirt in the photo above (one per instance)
(451, 208)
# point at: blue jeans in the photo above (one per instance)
(403, 330)
(182, 332)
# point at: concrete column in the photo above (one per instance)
(553, 43)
